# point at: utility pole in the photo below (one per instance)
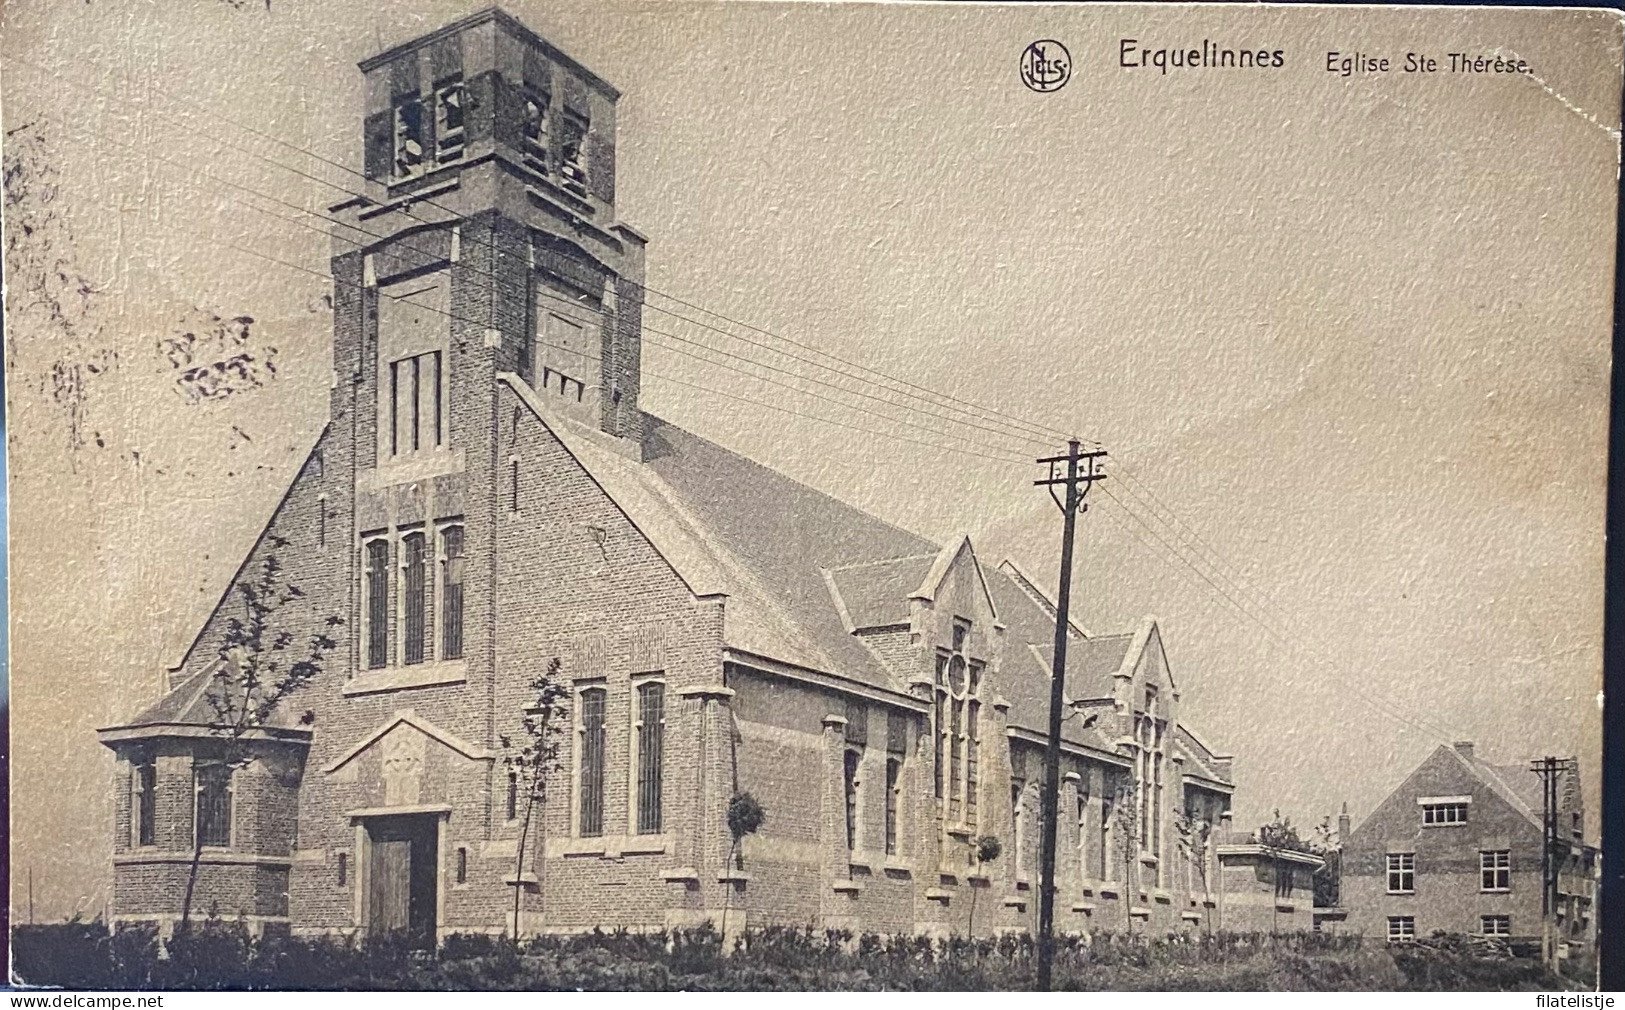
(1077, 487)
(1550, 769)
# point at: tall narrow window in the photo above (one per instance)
(451, 592)
(513, 484)
(894, 787)
(591, 815)
(1104, 854)
(462, 864)
(377, 552)
(651, 730)
(409, 139)
(344, 869)
(850, 781)
(448, 113)
(212, 784)
(416, 422)
(513, 796)
(958, 714)
(535, 132)
(939, 725)
(144, 774)
(896, 752)
(416, 595)
(573, 155)
(1083, 830)
(1018, 824)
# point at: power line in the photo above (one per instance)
(1022, 428)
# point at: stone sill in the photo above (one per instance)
(608, 846)
(528, 880)
(979, 880)
(1083, 906)
(681, 875)
(1140, 912)
(425, 464)
(1017, 902)
(736, 877)
(1109, 889)
(1148, 859)
(847, 887)
(211, 857)
(1191, 916)
(938, 894)
(1163, 897)
(401, 678)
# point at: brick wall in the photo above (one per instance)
(1448, 893)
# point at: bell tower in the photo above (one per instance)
(486, 241)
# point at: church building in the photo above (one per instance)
(489, 501)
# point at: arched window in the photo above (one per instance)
(451, 592)
(590, 728)
(212, 786)
(415, 595)
(650, 735)
(958, 729)
(376, 553)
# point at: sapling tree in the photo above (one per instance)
(1125, 822)
(983, 849)
(262, 661)
(534, 761)
(1193, 833)
(745, 817)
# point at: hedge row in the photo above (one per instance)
(222, 955)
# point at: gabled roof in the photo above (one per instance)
(1518, 787)
(803, 571)
(874, 594)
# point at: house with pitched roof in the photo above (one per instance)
(1457, 847)
(489, 504)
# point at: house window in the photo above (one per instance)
(344, 869)
(409, 139)
(144, 798)
(377, 567)
(1495, 869)
(1444, 813)
(513, 484)
(462, 865)
(958, 728)
(448, 121)
(850, 779)
(415, 595)
(212, 784)
(590, 817)
(1401, 872)
(451, 592)
(1495, 925)
(415, 417)
(1401, 928)
(651, 737)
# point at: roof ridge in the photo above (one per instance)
(881, 561)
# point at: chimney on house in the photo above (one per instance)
(1465, 749)
(1343, 825)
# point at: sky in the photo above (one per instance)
(1350, 336)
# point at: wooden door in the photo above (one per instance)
(403, 877)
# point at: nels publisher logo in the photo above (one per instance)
(1046, 66)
